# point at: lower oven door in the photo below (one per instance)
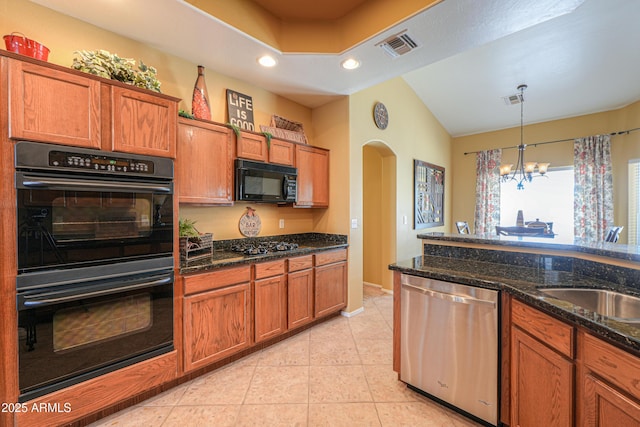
(73, 333)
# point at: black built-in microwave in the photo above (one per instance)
(265, 182)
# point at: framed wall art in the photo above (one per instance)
(428, 197)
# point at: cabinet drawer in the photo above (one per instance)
(552, 332)
(300, 263)
(615, 365)
(269, 269)
(216, 279)
(331, 256)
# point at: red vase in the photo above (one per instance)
(200, 103)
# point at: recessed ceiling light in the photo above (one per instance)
(350, 64)
(267, 61)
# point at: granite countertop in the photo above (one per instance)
(526, 284)
(223, 256)
(610, 250)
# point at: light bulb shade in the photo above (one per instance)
(529, 167)
(505, 169)
(542, 168)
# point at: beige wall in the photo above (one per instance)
(623, 148)
(413, 133)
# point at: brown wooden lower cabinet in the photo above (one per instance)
(270, 307)
(299, 298)
(605, 406)
(541, 384)
(610, 385)
(216, 316)
(560, 375)
(330, 282)
(542, 370)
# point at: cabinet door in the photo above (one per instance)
(53, 106)
(330, 288)
(604, 406)
(541, 384)
(143, 123)
(270, 308)
(204, 165)
(281, 152)
(252, 146)
(300, 297)
(216, 324)
(313, 176)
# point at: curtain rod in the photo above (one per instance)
(622, 132)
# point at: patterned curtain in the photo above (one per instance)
(593, 187)
(487, 214)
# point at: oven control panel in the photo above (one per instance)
(99, 163)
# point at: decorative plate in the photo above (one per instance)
(250, 223)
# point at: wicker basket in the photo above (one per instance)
(286, 129)
(196, 247)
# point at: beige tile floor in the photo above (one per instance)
(337, 373)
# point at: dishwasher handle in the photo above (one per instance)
(462, 299)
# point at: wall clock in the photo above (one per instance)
(380, 115)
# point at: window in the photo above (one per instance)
(634, 198)
(547, 199)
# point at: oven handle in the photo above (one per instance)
(30, 181)
(30, 302)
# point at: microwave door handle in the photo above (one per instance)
(285, 188)
(49, 182)
(36, 302)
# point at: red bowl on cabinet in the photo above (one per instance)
(24, 46)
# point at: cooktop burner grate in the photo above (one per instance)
(263, 248)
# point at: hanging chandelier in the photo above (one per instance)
(524, 170)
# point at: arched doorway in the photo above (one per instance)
(378, 214)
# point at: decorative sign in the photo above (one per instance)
(429, 195)
(250, 223)
(240, 108)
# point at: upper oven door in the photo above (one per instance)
(68, 220)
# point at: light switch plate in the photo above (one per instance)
(354, 222)
(281, 223)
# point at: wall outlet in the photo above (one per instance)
(281, 223)
(404, 219)
(354, 222)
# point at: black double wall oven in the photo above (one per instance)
(95, 263)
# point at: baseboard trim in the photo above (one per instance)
(373, 285)
(352, 313)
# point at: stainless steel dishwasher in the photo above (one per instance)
(449, 344)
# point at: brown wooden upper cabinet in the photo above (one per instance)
(204, 165)
(281, 152)
(313, 176)
(252, 146)
(53, 106)
(143, 123)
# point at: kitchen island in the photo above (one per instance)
(559, 362)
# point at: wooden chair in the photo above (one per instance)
(463, 227)
(613, 234)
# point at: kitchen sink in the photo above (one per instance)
(615, 305)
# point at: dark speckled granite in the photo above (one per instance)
(223, 256)
(524, 275)
(610, 250)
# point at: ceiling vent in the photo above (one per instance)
(398, 44)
